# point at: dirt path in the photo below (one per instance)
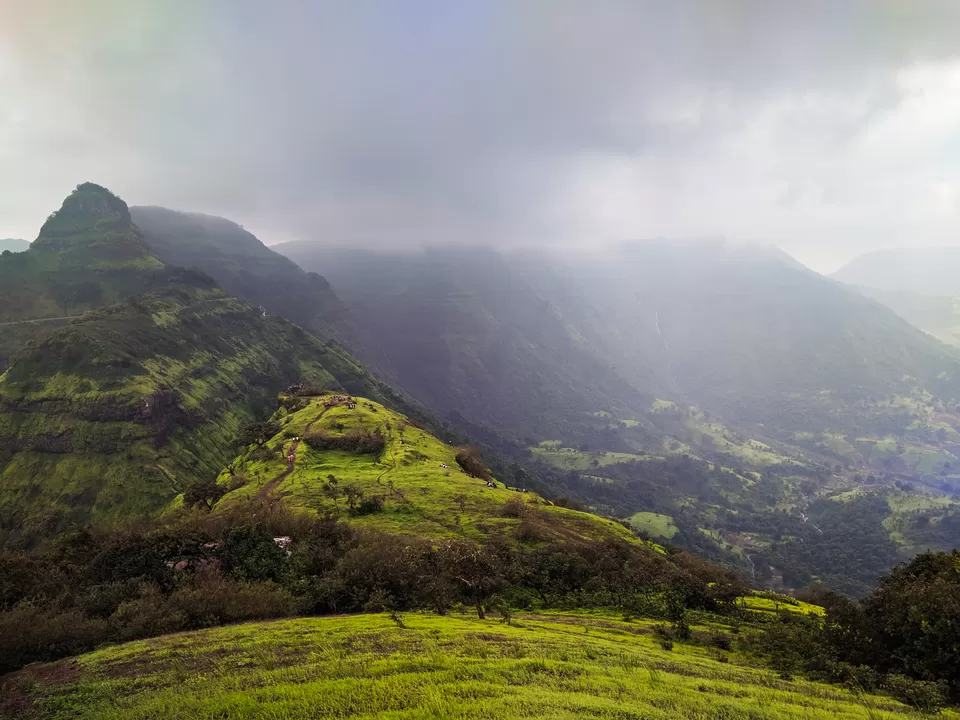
(40, 320)
(271, 485)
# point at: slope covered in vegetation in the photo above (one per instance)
(245, 267)
(88, 255)
(550, 666)
(355, 458)
(108, 417)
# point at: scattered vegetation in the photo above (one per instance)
(353, 441)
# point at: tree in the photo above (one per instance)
(203, 493)
(469, 459)
(475, 569)
(915, 616)
(258, 433)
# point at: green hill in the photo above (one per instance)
(245, 267)
(406, 482)
(550, 666)
(108, 417)
(113, 415)
(88, 255)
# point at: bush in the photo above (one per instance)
(571, 504)
(355, 441)
(927, 697)
(29, 634)
(368, 505)
(149, 615)
(469, 460)
(212, 599)
(664, 636)
(532, 529)
(264, 453)
(515, 507)
(720, 640)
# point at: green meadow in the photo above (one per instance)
(546, 667)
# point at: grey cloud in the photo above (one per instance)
(427, 121)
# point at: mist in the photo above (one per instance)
(825, 129)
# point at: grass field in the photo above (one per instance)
(544, 667)
(571, 459)
(655, 524)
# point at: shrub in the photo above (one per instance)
(532, 529)
(927, 697)
(212, 599)
(263, 453)
(29, 634)
(249, 553)
(720, 640)
(149, 615)
(473, 465)
(355, 441)
(368, 505)
(664, 637)
(515, 507)
(571, 504)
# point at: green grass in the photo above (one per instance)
(766, 604)
(655, 524)
(571, 459)
(543, 667)
(420, 496)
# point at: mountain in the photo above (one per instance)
(463, 333)
(245, 267)
(746, 334)
(722, 396)
(758, 339)
(938, 315)
(108, 417)
(930, 271)
(13, 245)
(88, 255)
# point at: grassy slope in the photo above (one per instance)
(419, 495)
(551, 667)
(113, 415)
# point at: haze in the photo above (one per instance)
(825, 128)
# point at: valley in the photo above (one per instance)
(175, 457)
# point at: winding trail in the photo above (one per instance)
(40, 320)
(272, 484)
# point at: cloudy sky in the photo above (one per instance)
(826, 127)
